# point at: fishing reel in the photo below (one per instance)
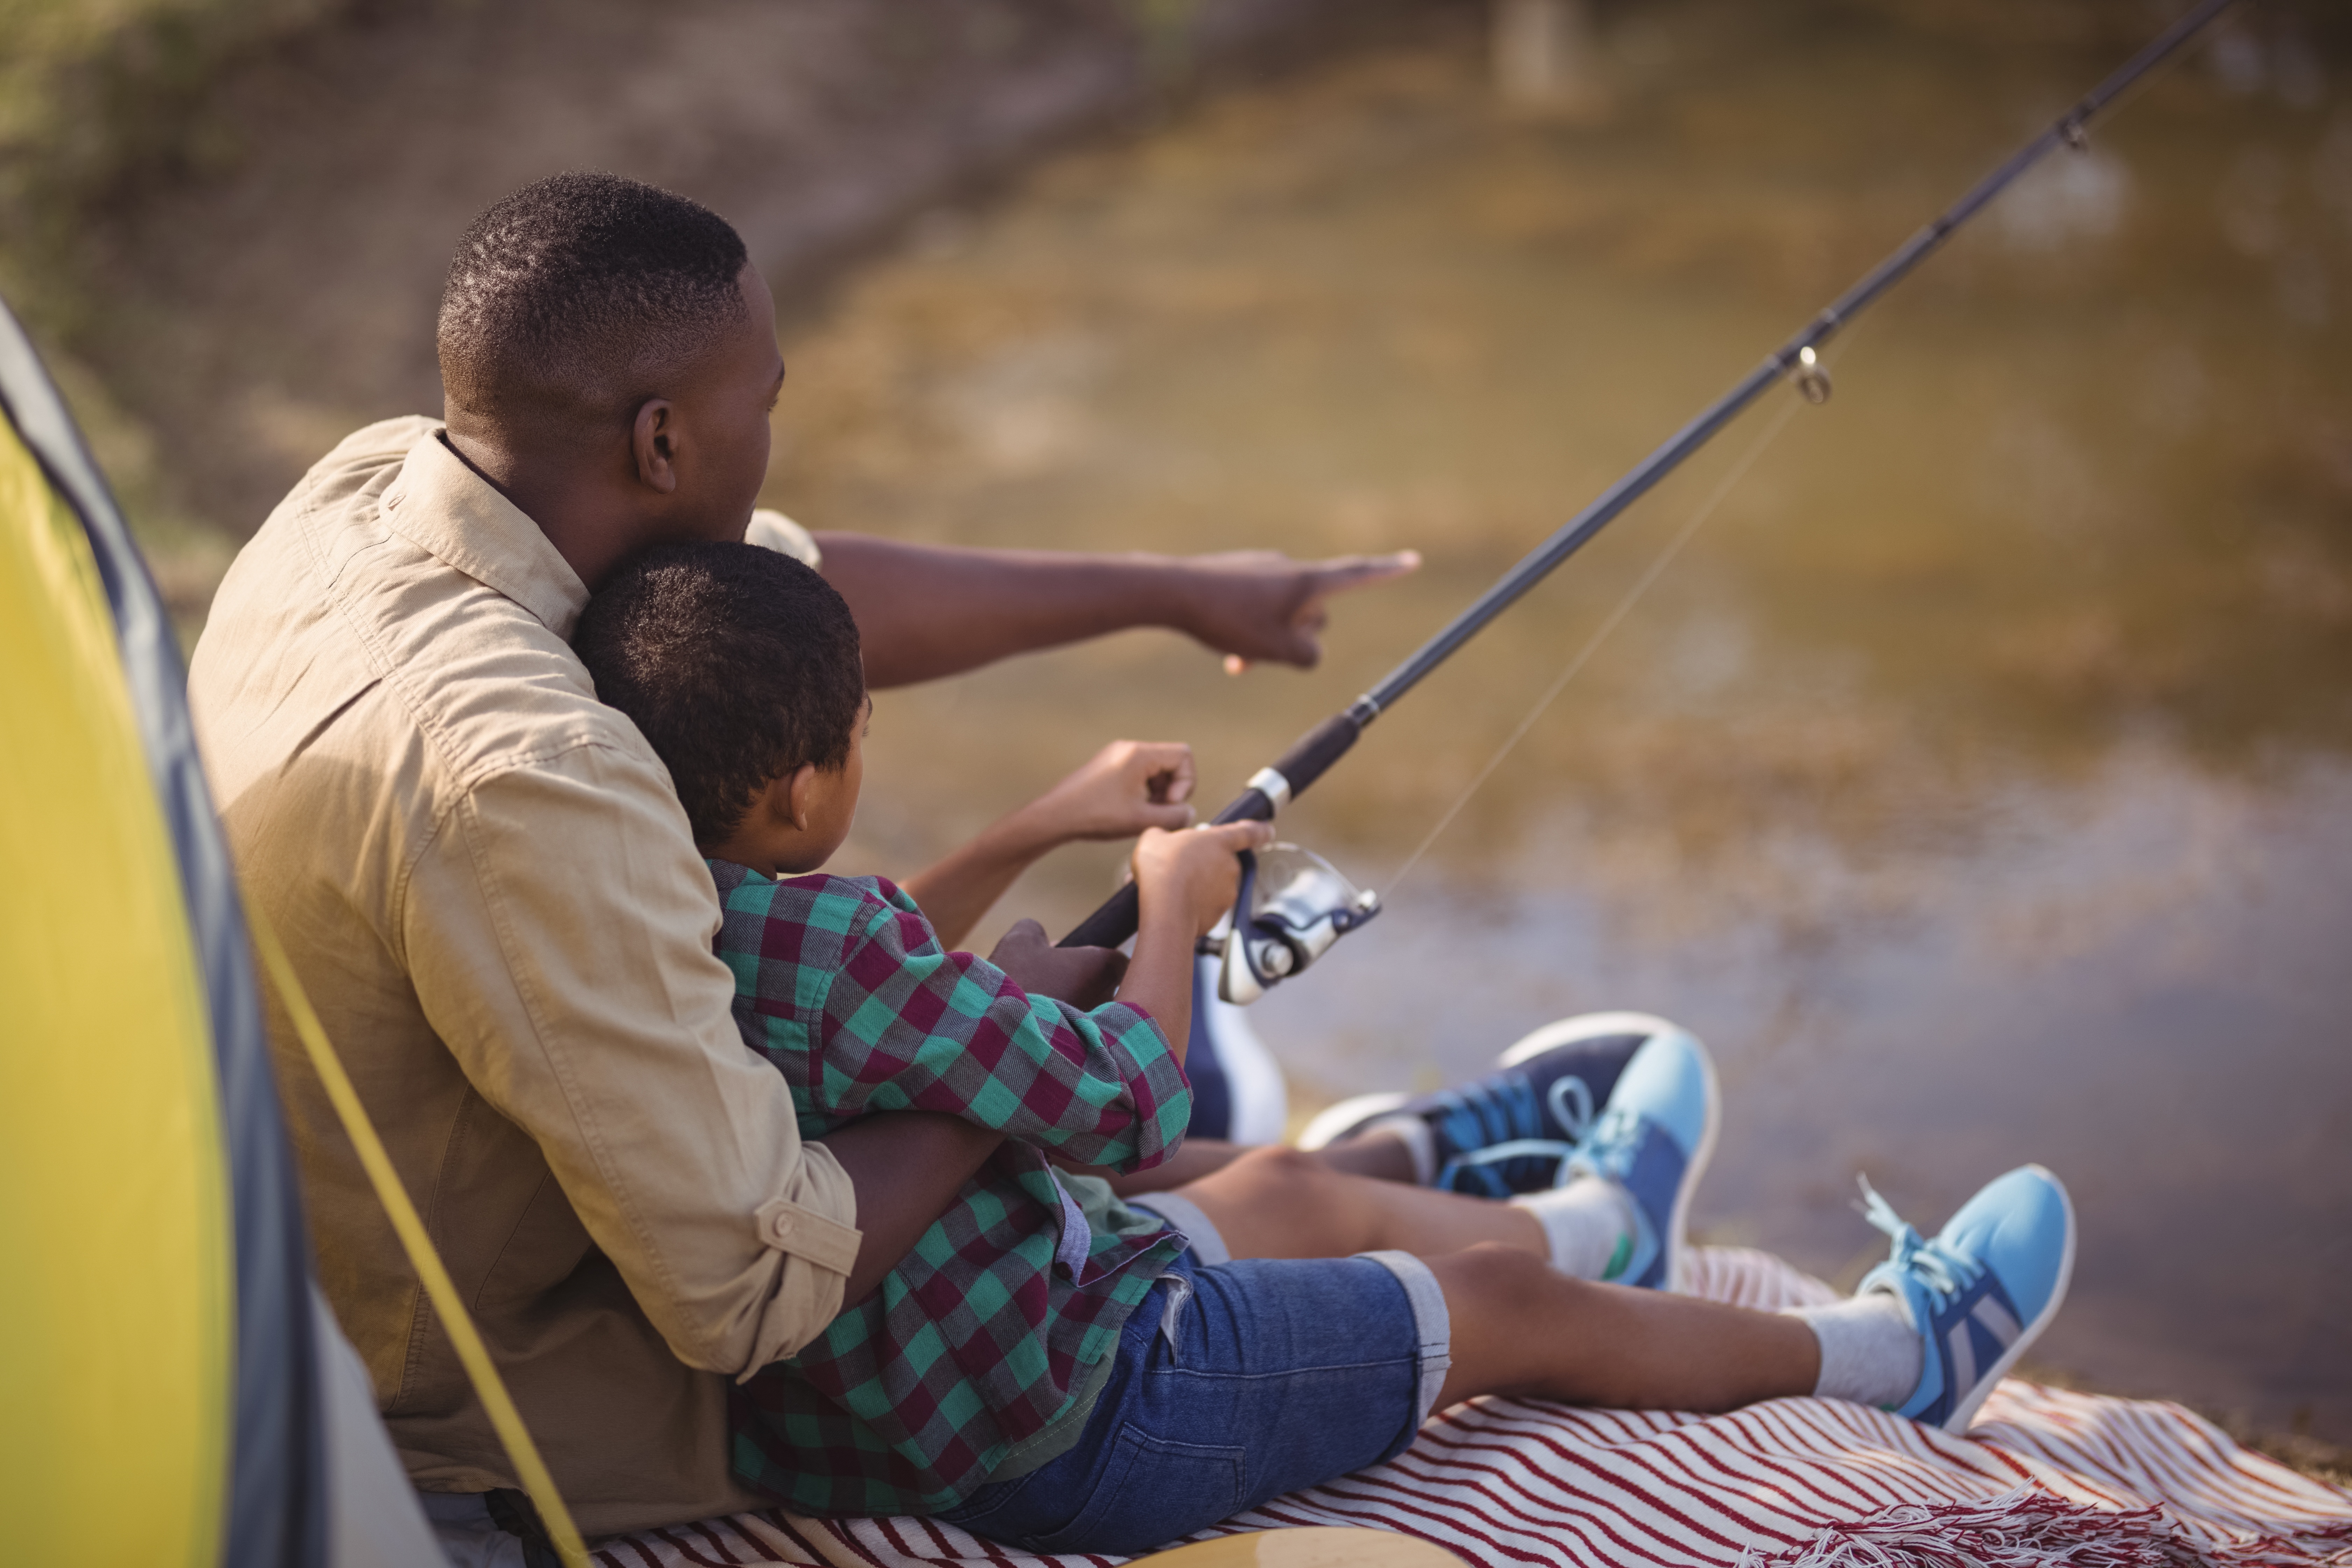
(1293, 905)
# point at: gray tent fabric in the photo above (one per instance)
(373, 1518)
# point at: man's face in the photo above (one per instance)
(723, 406)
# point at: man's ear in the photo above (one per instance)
(794, 795)
(655, 440)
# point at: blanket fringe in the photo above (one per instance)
(2031, 1528)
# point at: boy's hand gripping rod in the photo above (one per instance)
(1272, 788)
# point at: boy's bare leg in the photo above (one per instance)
(1279, 1202)
(1380, 1156)
(1521, 1327)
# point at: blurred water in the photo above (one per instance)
(1977, 783)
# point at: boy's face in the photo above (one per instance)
(832, 807)
(800, 821)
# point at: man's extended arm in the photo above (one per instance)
(927, 610)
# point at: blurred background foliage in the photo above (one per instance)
(94, 93)
(101, 100)
(224, 220)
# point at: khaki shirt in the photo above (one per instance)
(490, 893)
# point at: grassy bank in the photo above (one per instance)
(95, 94)
(101, 100)
(226, 221)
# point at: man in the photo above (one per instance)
(490, 891)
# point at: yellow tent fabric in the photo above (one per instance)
(115, 1221)
(174, 1389)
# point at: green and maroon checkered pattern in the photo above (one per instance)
(912, 1397)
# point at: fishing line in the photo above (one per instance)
(1272, 788)
(1689, 530)
(1625, 607)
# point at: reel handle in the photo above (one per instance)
(1315, 751)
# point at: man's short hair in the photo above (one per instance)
(737, 663)
(569, 300)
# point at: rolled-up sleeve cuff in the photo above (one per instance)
(791, 1228)
(815, 1228)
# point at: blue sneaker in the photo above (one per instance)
(1982, 1290)
(1653, 1141)
(1511, 1131)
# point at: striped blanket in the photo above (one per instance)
(2043, 1477)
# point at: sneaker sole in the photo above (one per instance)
(1958, 1421)
(1678, 1269)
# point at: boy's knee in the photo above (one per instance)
(1494, 1289)
(1280, 1179)
(1496, 1265)
(1277, 1165)
(1499, 1276)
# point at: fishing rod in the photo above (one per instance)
(1275, 786)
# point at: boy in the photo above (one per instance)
(1061, 1369)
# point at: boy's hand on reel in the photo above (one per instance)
(1198, 873)
(1125, 788)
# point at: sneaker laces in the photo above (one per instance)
(1490, 1111)
(1609, 1148)
(1509, 1105)
(1506, 1106)
(1570, 1101)
(1502, 1154)
(1935, 1265)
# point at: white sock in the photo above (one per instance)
(1589, 1224)
(1418, 1139)
(1870, 1350)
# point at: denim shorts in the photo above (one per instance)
(1234, 1383)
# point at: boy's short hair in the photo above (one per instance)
(738, 664)
(569, 301)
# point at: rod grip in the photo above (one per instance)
(1317, 750)
(1111, 924)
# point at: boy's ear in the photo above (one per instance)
(772, 804)
(794, 795)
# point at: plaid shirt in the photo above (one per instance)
(982, 1336)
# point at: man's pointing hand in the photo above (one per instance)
(1260, 606)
